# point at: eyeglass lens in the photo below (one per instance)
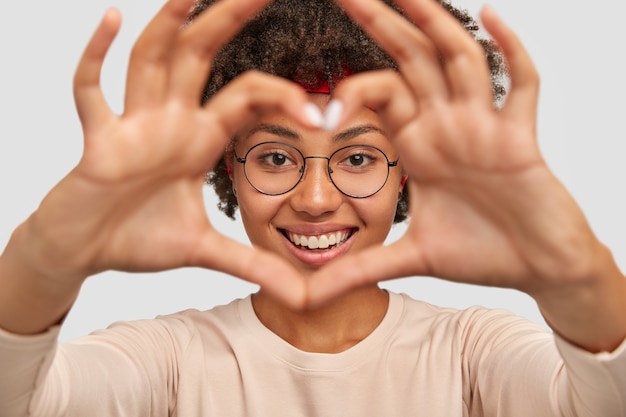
(275, 168)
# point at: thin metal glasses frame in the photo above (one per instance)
(390, 164)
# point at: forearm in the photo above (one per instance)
(591, 312)
(31, 300)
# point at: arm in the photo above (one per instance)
(590, 312)
(514, 368)
(122, 371)
(134, 202)
(144, 171)
(485, 208)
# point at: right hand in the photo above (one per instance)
(134, 202)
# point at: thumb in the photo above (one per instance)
(400, 259)
(276, 277)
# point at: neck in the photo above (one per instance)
(332, 328)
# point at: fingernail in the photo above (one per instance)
(314, 115)
(334, 110)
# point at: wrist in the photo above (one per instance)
(33, 297)
(45, 251)
(588, 309)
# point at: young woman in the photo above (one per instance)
(321, 140)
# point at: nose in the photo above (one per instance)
(316, 195)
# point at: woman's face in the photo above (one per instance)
(315, 223)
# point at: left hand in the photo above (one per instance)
(485, 208)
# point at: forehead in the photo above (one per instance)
(364, 126)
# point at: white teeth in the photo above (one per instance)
(319, 242)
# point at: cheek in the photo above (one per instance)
(257, 212)
(379, 210)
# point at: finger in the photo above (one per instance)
(465, 61)
(522, 99)
(407, 45)
(271, 272)
(150, 58)
(385, 91)
(91, 105)
(253, 94)
(400, 259)
(200, 42)
(466, 71)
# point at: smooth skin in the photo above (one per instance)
(485, 207)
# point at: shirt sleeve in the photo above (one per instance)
(596, 382)
(517, 368)
(127, 370)
(24, 362)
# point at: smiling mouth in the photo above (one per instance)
(319, 242)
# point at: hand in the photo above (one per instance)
(134, 202)
(485, 209)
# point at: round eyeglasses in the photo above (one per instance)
(275, 168)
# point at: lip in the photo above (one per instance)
(317, 257)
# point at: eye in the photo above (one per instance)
(357, 159)
(276, 159)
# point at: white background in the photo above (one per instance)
(577, 46)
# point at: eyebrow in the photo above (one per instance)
(342, 136)
(356, 131)
(274, 130)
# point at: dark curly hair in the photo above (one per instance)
(299, 40)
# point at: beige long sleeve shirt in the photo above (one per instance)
(420, 361)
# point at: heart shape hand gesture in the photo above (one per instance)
(485, 208)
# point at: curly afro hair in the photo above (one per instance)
(312, 42)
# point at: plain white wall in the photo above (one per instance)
(578, 48)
